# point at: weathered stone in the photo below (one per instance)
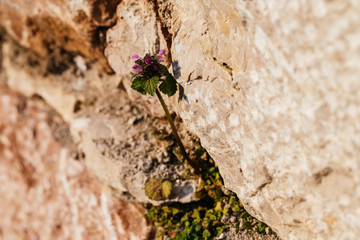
(137, 27)
(67, 92)
(45, 194)
(119, 142)
(115, 136)
(74, 25)
(273, 94)
(272, 90)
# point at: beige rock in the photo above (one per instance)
(274, 95)
(45, 194)
(22, 81)
(136, 27)
(123, 151)
(115, 136)
(74, 25)
(76, 87)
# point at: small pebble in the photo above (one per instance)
(145, 166)
(221, 236)
(232, 219)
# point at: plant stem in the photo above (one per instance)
(193, 164)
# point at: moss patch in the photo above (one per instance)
(211, 215)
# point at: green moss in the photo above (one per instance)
(202, 219)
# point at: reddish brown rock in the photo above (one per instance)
(45, 194)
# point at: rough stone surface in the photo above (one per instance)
(75, 88)
(117, 137)
(126, 148)
(45, 194)
(137, 24)
(273, 93)
(271, 88)
(49, 26)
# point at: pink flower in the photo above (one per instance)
(161, 59)
(136, 57)
(137, 68)
(161, 52)
(147, 61)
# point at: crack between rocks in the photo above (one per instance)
(164, 30)
(225, 66)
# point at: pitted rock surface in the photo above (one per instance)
(271, 88)
(272, 91)
(45, 194)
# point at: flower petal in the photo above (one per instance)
(161, 52)
(136, 57)
(161, 59)
(137, 68)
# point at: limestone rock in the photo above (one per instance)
(124, 152)
(137, 32)
(74, 25)
(116, 137)
(273, 93)
(45, 194)
(76, 87)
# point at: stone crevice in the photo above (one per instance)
(225, 66)
(164, 30)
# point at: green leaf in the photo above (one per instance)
(153, 188)
(218, 207)
(151, 84)
(261, 227)
(197, 227)
(199, 151)
(247, 225)
(196, 215)
(233, 201)
(139, 62)
(138, 85)
(245, 215)
(237, 226)
(162, 69)
(219, 230)
(168, 86)
(175, 211)
(215, 193)
(158, 189)
(166, 189)
(234, 204)
(226, 210)
(206, 234)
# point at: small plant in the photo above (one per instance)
(205, 218)
(158, 188)
(152, 76)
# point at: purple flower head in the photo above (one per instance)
(154, 67)
(161, 59)
(147, 61)
(136, 57)
(161, 52)
(137, 68)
